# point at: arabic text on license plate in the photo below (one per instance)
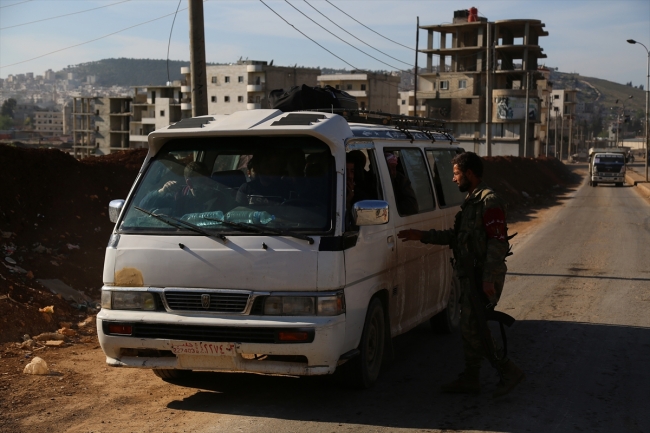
(203, 348)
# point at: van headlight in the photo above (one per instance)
(118, 300)
(325, 305)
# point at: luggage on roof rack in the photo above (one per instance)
(311, 98)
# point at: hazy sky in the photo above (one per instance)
(585, 36)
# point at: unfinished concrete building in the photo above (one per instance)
(112, 122)
(83, 126)
(155, 107)
(457, 92)
(374, 91)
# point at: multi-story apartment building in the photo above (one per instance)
(155, 107)
(245, 85)
(83, 126)
(407, 106)
(374, 91)
(112, 122)
(50, 123)
(457, 91)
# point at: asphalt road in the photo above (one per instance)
(579, 286)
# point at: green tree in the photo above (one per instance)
(6, 122)
(8, 108)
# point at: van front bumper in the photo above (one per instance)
(256, 340)
(608, 179)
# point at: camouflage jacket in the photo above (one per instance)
(480, 229)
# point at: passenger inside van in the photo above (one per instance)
(267, 186)
(405, 198)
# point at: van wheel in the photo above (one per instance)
(363, 370)
(619, 183)
(594, 183)
(171, 373)
(448, 320)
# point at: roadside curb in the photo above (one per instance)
(634, 178)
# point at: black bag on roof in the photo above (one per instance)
(311, 98)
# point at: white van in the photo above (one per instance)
(235, 249)
(607, 166)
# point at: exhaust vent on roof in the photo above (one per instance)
(298, 119)
(194, 122)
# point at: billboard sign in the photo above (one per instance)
(509, 107)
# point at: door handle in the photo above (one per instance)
(391, 243)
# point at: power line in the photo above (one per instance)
(15, 4)
(365, 43)
(92, 40)
(412, 49)
(170, 38)
(339, 38)
(296, 29)
(61, 16)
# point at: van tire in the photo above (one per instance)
(362, 371)
(619, 184)
(594, 183)
(448, 320)
(171, 373)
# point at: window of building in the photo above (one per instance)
(348, 87)
(403, 101)
(162, 113)
(468, 101)
(213, 99)
(417, 198)
(337, 87)
(363, 87)
(214, 80)
(444, 85)
(462, 84)
(257, 99)
(226, 99)
(240, 99)
(556, 96)
(226, 79)
(240, 79)
(505, 130)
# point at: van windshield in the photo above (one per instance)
(223, 184)
(609, 159)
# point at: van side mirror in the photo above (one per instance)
(370, 213)
(114, 209)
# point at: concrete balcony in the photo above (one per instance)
(253, 106)
(255, 87)
(419, 108)
(186, 106)
(149, 120)
(185, 70)
(186, 89)
(141, 138)
(254, 68)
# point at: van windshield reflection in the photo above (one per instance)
(281, 184)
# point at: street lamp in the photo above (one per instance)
(647, 92)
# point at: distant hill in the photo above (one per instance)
(601, 91)
(127, 72)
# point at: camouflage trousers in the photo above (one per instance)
(473, 345)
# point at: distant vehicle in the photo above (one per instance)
(607, 166)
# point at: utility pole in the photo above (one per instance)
(555, 135)
(570, 132)
(562, 137)
(548, 121)
(197, 59)
(488, 92)
(526, 115)
(415, 92)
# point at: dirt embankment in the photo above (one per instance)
(54, 223)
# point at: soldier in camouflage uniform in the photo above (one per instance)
(480, 230)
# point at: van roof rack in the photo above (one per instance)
(403, 123)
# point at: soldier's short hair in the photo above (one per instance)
(469, 161)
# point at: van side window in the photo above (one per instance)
(442, 170)
(410, 181)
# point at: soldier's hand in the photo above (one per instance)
(410, 235)
(488, 289)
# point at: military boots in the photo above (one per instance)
(467, 383)
(511, 375)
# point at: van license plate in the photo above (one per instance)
(203, 348)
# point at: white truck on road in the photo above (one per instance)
(607, 165)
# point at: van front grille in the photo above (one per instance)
(215, 302)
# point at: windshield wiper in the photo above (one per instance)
(180, 224)
(261, 229)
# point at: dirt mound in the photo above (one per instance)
(525, 181)
(54, 225)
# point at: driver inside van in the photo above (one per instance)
(267, 186)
